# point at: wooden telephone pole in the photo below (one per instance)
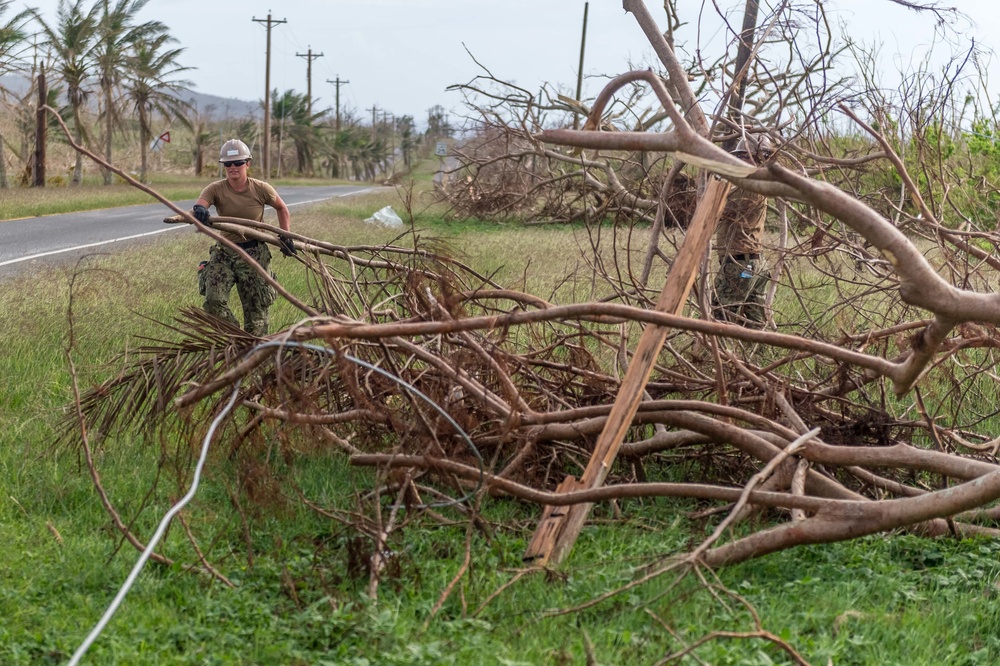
(392, 136)
(309, 56)
(374, 114)
(738, 96)
(337, 82)
(579, 73)
(266, 148)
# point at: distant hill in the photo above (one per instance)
(213, 106)
(222, 108)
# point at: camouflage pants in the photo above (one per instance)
(739, 292)
(224, 270)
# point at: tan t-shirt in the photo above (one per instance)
(741, 227)
(248, 204)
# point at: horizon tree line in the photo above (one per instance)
(114, 78)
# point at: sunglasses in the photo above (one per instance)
(235, 163)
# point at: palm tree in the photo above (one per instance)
(438, 125)
(151, 88)
(355, 144)
(368, 157)
(25, 119)
(117, 32)
(408, 139)
(336, 144)
(11, 37)
(71, 42)
(200, 135)
(11, 34)
(292, 119)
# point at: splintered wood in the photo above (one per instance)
(559, 528)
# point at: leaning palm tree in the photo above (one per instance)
(71, 42)
(354, 141)
(293, 119)
(118, 31)
(150, 87)
(11, 38)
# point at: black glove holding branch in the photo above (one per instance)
(287, 246)
(201, 214)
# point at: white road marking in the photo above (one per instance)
(150, 233)
(84, 247)
(345, 194)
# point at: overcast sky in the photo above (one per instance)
(400, 55)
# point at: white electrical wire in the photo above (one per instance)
(174, 510)
(162, 528)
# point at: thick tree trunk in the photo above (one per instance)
(41, 125)
(145, 136)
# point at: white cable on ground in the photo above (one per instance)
(174, 510)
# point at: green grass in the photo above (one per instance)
(19, 203)
(898, 600)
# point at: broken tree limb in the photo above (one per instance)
(557, 532)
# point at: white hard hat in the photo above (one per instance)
(234, 149)
(758, 146)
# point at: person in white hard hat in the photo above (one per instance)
(238, 195)
(742, 278)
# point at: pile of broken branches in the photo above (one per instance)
(529, 386)
(531, 383)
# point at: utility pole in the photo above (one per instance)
(738, 91)
(392, 136)
(338, 83)
(579, 73)
(41, 125)
(267, 93)
(374, 109)
(309, 56)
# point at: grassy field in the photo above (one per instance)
(299, 598)
(19, 203)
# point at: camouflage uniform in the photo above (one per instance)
(739, 291)
(742, 278)
(226, 269)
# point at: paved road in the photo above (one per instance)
(64, 237)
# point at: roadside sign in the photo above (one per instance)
(163, 138)
(441, 149)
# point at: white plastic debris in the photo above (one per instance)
(386, 217)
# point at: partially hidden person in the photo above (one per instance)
(741, 282)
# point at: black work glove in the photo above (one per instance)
(287, 246)
(201, 214)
